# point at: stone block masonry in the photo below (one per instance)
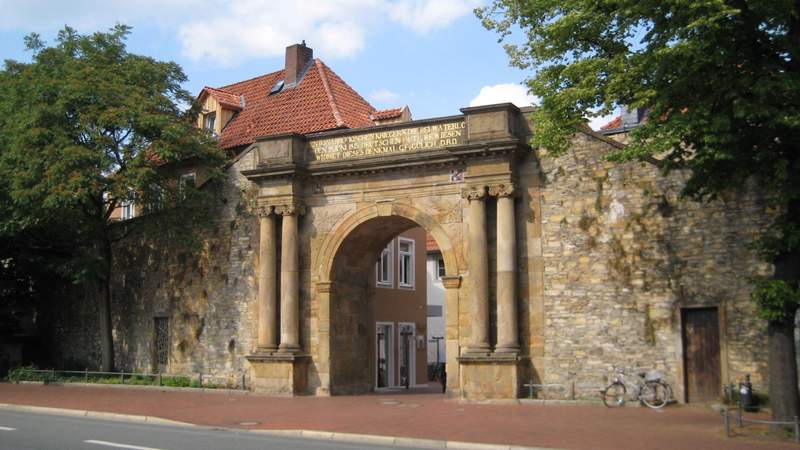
(623, 253)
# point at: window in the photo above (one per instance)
(161, 342)
(383, 268)
(406, 263)
(435, 311)
(155, 199)
(440, 268)
(188, 181)
(277, 87)
(209, 121)
(128, 207)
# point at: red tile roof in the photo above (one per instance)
(387, 114)
(321, 101)
(225, 98)
(614, 124)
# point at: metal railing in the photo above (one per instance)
(741, 421)
(559, 391)
(198, 380)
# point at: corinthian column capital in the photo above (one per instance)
(474, 193)
(291, 209)
(264, 211)
(502, 190)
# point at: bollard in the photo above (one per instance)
(159, 379)
(85, 375)
(122, 378)
(739, 415)
(244, 388)
(200, 379)
(726, 422)
(797, 429)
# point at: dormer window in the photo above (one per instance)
(209, 121)
(188, 181)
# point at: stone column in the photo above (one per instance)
(478, 271)
(267, 301)
(290, 280)
(507, 335)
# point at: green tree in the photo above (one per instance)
(721, 80)
(84, 128)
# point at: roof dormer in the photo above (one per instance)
(218, 108)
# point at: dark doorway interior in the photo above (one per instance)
(701, 353)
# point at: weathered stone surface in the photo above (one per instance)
(622, 254)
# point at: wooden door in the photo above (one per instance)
(701, 354)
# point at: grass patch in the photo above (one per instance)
(31, 373)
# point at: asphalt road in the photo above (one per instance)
(23, 431)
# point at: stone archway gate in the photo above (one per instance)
(452, 176)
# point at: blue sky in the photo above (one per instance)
(432, 55)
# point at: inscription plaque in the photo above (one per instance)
(402, 140)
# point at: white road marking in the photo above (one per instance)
(7, 429)
(114, 444)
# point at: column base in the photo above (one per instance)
(507, 350)
(489, 377)
(477, 351)
(276, 374)
(265, 350)
(288, 349)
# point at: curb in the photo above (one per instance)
(306, 434)
(93, 414)
(393, 440)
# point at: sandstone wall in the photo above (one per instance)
(208, 294)
(608, 255)
(622, 254)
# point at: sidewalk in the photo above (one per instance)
(423, 416)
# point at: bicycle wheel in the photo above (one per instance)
(655, 394)
(614, 395)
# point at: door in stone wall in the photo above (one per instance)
(701, 352)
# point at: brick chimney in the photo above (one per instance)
(297, 58)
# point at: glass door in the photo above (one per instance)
(406, 356)
(384, 333)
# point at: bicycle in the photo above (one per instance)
(648, 388)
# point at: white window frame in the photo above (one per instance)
(210, 121)
(389, 251)
(128, 207)
(187, 176)
(409, 271)
(156, 200)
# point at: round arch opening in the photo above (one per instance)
(378, 331)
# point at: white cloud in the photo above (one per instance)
(502, 93)
(384, 96)
(253, 28)
(229, 32)
(46, 16)
(423, 16)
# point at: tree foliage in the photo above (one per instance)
(720, 79)
(721, 83)
(777, 300)
(84, 128)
